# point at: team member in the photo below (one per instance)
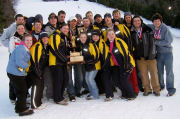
(16, 71)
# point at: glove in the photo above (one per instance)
(20, 69)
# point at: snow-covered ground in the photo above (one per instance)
(150, 107)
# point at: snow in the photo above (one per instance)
(142, 107)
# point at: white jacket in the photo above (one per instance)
(13, 43)
(7, 34)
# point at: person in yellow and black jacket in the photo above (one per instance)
(58, 58)
(103, 81)
(91, 55)
(39, 60)
(121, 31)
(122, 64)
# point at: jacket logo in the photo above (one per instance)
(85, 49)
(89, 34)
(115, 51)
(117, 32)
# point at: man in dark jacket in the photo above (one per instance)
(145, 53)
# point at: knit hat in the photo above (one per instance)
(97, 15)
(107, 15)
(78, 15)
(43, 34)
(38, 17)
(127, 13)
(52, 15)
(96, 32)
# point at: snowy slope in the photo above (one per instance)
(150, 107)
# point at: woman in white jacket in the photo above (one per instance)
(17, 37)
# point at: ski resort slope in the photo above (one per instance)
(149, 107)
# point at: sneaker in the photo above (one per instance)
(89, 97)
(72, 98)
(146, 93)
(156, 93)
(108, 99)
(170, 94)
(42, 106)
(79, 95)
(13, 101)
(26, 112)
(63, 102)
(131, 98)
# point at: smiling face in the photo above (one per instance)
(73, 23)
(20, 29)
(111, 36)
(53, 20)
(157, 23)
(83, 38)
(20, 20)
(37, 27)
(65, 29)
(98, 19)
(45, 40)
(137, 22)
(95, 38)
(116, 15)
(86, 23)
(28, 41)
(128, 19)
(108, 20)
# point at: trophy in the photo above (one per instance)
(75, 57)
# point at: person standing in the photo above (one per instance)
(58, 58)
(145, 56)
(163, 41)
(17, 70)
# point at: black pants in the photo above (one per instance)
(12, 90)
(36, 90)
(99, 82)
(108, 86)
(120, 77)
(60, 77)
(21, 92)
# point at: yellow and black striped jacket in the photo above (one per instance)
(58, 51)
(91, 55)
(104, 54)
(121, 54)
(122, 32)
(39, 58)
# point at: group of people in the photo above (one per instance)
(119, 54)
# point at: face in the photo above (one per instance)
(111, 36)
(83, 38)
(65, 30)
(21, 30)
(108, 20)
(79, 20)
(116, 15)
(98, 19)
(137, 22)
(61, 17)
(53, 20)
(28, 41)
(95, 38)
(73, 23)
(90, 16)
(37, 27)
(128, 19)
(157, 23)
(86, 23)
(45, 40)
(20, 20)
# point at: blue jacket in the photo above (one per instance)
(19, 58)
(164, 43)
